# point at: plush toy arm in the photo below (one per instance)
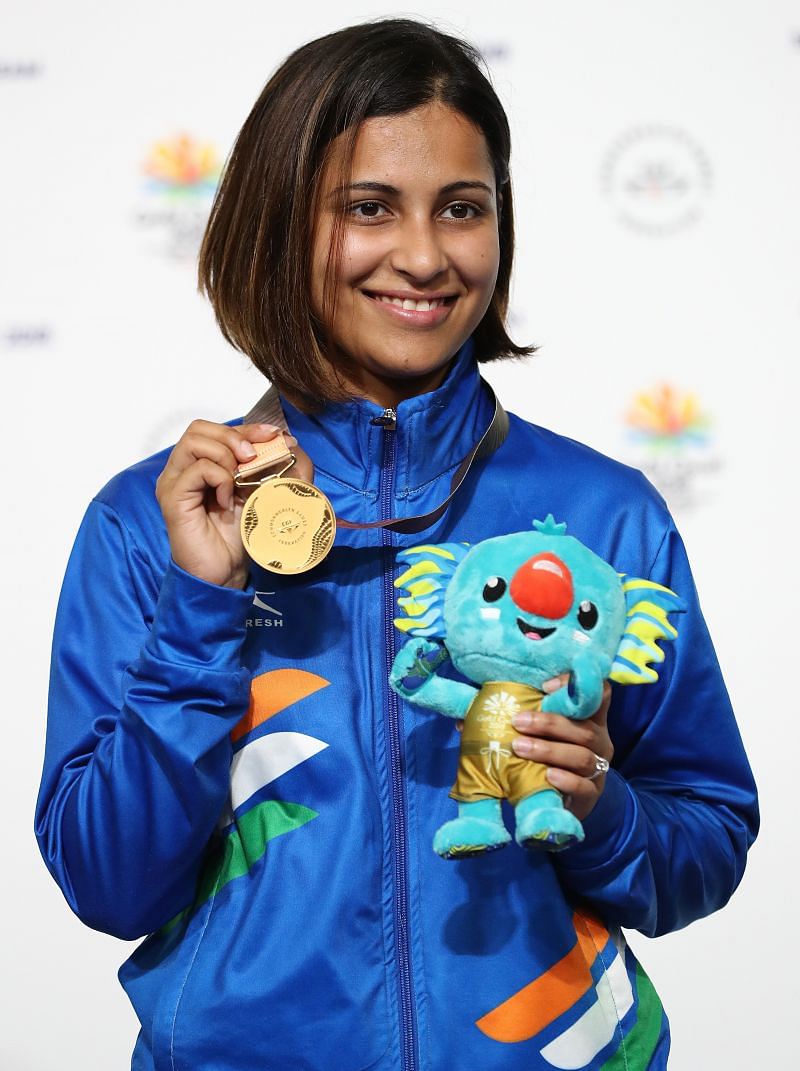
(584, 693)
(414, 677)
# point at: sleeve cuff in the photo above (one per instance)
(197, 623)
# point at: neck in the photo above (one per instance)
(389, 392)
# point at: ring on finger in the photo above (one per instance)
(601, 766)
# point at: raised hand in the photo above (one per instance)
(202, 506)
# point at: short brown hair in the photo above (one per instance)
(255, 257)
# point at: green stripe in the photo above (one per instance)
(637, 1047)
(243, 847)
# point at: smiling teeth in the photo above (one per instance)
(410, 305)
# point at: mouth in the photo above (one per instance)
(416, 308)
(533, 632)
(411, 302)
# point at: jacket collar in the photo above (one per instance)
(433, 433)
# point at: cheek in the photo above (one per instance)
(362, 252)
(479, 263)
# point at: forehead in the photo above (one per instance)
(432, 144)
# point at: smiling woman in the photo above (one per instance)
(258, 800)
(410, 139)
(415, 266)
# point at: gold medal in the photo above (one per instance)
(288, 525)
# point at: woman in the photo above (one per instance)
(227, 769)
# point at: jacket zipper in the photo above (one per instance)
(408, 1024)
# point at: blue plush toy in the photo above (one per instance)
(512, 612)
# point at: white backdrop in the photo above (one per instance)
(656, 172)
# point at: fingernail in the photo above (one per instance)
(552, 685)
(247, 450)
(522, 721)
(522, 746)
(555, 777)
(268, 428)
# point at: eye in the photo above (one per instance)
(366, 210)
(587, 615)
(461, 210)
(494, 589)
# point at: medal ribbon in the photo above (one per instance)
(268, 410)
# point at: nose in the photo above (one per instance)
(418, 252)
(543, 586)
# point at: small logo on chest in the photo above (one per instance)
(269, 616)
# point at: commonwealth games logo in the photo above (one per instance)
(657, 179)
(180, 176)
(666, 419)
(671, 435)
(182, 167)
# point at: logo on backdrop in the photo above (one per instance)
(671, 441)
(495, 51)
(180, 176)
(20, 70)
(25, 336)
(657, 179)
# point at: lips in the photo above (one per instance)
(411, 302)
(417, 311)
(533, 632)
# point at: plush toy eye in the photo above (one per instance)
(587, 614)
(494, 589)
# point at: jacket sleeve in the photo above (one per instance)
(667, 841)
(146, 685)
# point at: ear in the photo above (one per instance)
(431, 569)
(647, 607)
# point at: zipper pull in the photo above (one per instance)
(387, 420)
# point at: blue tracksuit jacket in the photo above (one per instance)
(229, 772)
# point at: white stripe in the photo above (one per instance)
(581, 1042)
(266, 759)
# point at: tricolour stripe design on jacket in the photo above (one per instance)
(254, 766)
(617, 1013)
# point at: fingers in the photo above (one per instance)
(581, 761)
(569, 749)
(226, 446)
(200, 475)
(580, 794)
(555, 683)
(557, 727)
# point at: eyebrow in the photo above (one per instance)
(393, 191)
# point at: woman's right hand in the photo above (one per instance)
(202, 506)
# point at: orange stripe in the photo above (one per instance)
(536, 1005)
(273, 692)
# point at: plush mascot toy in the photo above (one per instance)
(512, 612)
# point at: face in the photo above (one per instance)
(420, 250)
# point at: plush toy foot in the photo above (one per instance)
(479, 828)
(543, 822)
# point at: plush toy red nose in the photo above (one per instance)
(543, 586)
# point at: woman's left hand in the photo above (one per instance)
(569, 749)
